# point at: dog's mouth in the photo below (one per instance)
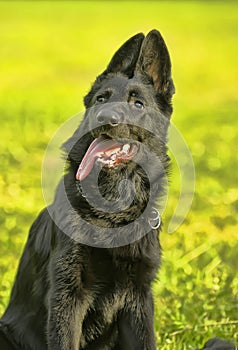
(107, 152)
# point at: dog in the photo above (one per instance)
(84, 279)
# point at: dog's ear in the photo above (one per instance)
(125, 58)
(123, 61)
(154, 62)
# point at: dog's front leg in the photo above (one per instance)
(136, 325)
(64, 322)
(68, 302)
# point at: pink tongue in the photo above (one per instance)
(97, 147)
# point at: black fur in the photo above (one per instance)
(72, 295)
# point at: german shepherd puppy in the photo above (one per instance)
(84, 279)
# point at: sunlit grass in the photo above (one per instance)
(50, 54)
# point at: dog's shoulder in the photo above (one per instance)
(37, 249)
(42, 234)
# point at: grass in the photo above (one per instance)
(50, 52)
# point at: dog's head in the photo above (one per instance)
(123, 133)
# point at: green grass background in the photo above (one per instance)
(50, 52)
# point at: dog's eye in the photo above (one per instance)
(138, 104)
(101, 99)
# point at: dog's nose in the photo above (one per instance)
(107, 117)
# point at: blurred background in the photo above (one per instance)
(50, 53)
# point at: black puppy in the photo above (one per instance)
(84, 280)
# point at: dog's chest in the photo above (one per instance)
(104, 273)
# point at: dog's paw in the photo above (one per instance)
(218, 344)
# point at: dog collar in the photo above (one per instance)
(154, 219)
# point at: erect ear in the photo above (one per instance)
(125, 58)
(124, 61)
(154, 62)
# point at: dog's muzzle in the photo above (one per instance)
(107, 116)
